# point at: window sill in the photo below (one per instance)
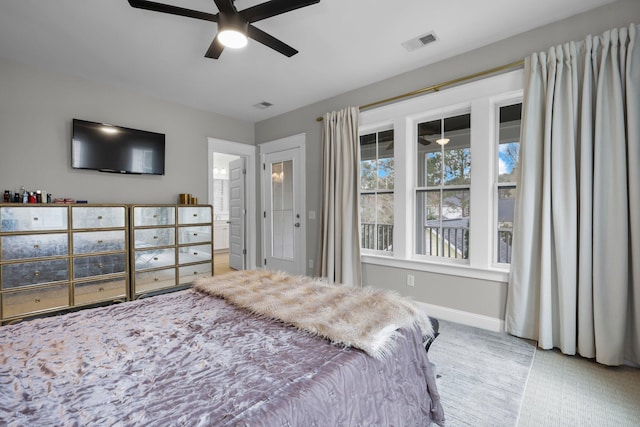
(492, 274)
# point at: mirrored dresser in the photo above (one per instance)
(172, 245)
(55, 257)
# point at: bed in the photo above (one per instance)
(199, 357)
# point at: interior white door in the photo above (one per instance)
(237, 214)
(283, 210)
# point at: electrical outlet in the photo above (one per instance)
(409, 279)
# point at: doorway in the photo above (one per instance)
(231, 190)
(283, 204)
(222, 186)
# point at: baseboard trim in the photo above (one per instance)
(464, 317)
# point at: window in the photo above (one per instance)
(447, 208)
(377, 176)
(508, 172)
(443, 187)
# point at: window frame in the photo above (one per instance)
(480, 97)
(442, 114)
(499, 102)
(364, 131)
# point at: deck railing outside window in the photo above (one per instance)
(505, 237)
(449, 242)
(384, 236)
(453, 242)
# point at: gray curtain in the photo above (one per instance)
(340, 238)
(575, 271)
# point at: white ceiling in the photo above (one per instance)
(343, 44)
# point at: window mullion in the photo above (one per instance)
(482, 188)
(402, 200)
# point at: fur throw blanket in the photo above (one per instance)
(365, 318)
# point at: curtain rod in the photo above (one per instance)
(438, 86)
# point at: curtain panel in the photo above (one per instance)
(340, 234)
(575, 273)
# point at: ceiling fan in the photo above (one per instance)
(235, 26)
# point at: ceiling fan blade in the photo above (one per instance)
(270, 41)
(215, 49)
(273, 8)
(225, 6)
(173, 10)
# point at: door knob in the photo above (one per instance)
(297, 224)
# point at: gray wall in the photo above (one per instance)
(474, 296)
(36, 109)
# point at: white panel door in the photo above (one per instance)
(283, 208)
(237, 214)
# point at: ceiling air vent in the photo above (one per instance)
(420, 41)
(262, 105)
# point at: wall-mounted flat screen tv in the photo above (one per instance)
(117, 149)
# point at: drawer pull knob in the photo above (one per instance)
(195, 234)
(155, 237)
(35, 218)
(155, 216)
(155, 258)
(155, 279)
(36, 273)
(195, 272)
(195, 252)
(195, 215)
(99, 216)
(100, 242)
(101, 289)
(100, 265)
(36, 246)
(36, 300)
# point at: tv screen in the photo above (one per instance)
(117, 149)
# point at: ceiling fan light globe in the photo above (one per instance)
(233, 39)
(442, 141)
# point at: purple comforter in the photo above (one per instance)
(190, 359)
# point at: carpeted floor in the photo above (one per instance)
(573, 391)
(481, 375)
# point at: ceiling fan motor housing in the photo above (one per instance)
(232, 21)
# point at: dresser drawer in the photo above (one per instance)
(88, 242)
(200, 234)
(154, 280)
(97, 217)
(194, 214)
(198, 253)
(190, 273)
(28, 246)
(34, 273)
(34, 300)
(153, 237)
(101, 290)
(99, 265)
(155, 258)
(33, 218)
(154, 215)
